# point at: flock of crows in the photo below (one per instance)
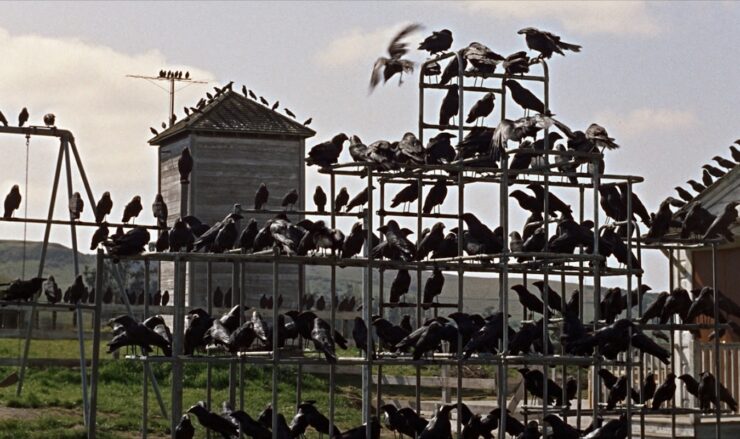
(478, 335)
(217, 92)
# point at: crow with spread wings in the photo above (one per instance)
(387, 67)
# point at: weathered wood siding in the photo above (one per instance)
(228, 171)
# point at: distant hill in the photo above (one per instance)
(481, 293)
(59, 261)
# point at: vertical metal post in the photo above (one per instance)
(145, 380)
(78, 310)
(178, 296)
(381, 286)
(366, 313)
(671, 335)
(209, 307)
(275, 351)
(95, 365)
(504, 287)
(301, 295)
(232, 365)
(629, 355)
(718, 408)
(32, 313)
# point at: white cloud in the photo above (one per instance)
(580, 17)
(643, 120)
(85, 86)
(359, 45)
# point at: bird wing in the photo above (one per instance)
(396, 48)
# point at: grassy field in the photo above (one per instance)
(51, 404)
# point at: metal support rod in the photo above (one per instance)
(715, 316)
(209, 308)
(177, 344)
(78, 311)
(42, 259)
(232, 366)
(367, 313)
(145, 375)
(95, 366)
(275, 350)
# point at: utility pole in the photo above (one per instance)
(170, 77)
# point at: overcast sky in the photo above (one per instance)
(661, 77)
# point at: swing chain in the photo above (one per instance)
(25, 208)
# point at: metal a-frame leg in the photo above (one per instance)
(32, 314)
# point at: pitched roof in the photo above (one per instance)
(231, 113)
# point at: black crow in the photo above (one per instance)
(131, 243)
(435, 196)
(246, 238)
(486, 339)
(517, 63)
(129, 332)
(387, 67)
(359, 199)
(476, 142)
(431, 241)
(100, 235)
(439, 150)
(655, 309)
(560, 429)
(359, 335)
(410, 150)
(482, 108)
(12, 201)
(319, 198)
(400, 285)
(132, 209)
(322, 340)
(249, 426)
(396, 245)
(290, 199)
(684, 194)
(727, 164)
(25, 290)
(23, 117)
(213, 422)
(706, 178)
(646, 345)
(180, 236)
(404, 421)
(554, 203)
(184, 429)
(439, 426)
(261, 196)
(433, 286)
(525, 98)
(450, 105)
(3, 120)
(327, 153)
(528, 300)
(554, 301)
(353, 243)
(389, 334)
(637, 207)
(665, 391)
(185, 165)
(648, 388)
(408, 194)
(678, 302)
(697, 221)
(361, 431)
(103, 207)
(452, 69)
(534, 383)
(721, 226)
(661, 222)
(698, 187)
(438, 41)
(483, 59)
(341, 199)
(599, 137)
(714, 171)
(546, 43)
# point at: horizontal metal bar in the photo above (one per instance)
(265, 357)
(35, 130)
(465, 88)
(76, 223)
(11, 305)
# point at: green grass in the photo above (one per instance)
(52, 403)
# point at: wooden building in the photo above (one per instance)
(236, 144)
